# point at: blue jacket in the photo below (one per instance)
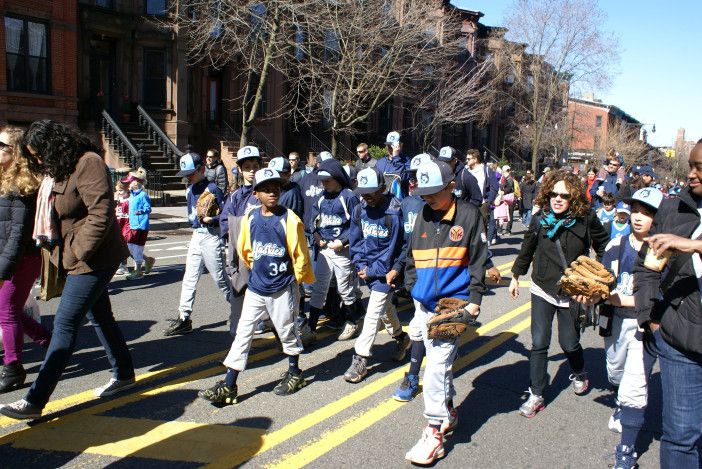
(193, 192)
(291, 197)
(332, 213)
(311, 188)
(376, 237)
(399, 165)
(610, 185)
(139, 209)
(467, 186)
(238, 203)
(447, 258)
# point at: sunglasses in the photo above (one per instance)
(564, 196)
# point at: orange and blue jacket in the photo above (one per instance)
(446, 258)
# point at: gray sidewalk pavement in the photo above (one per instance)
(168, 218)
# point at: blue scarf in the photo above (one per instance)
(553, 224)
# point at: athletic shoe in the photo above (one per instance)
(307, 336)
(135, 275)
(262, 327)
(114, 386)
(149, 264)
(121, 271)
(450, 424)
(20, 410)
(580, 382)
(350, 331)
(615, 423)
(357, 371)
(408, 388)
(402, 345)
(533, 405)
(178, 326)
(219, 394)
(290, 384)
(12, 376)
(626, 457)
(334, 323)
(428, 449)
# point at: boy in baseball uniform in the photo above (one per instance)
(376, 240)
(273, 246)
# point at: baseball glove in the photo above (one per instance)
(451, 319)
(206, 206)
(586, 277)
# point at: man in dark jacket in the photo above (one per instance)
(290, 193)
(466, 184)
(668, 305)
(215, 171)
(610, 183)
(528, 190)
(488, 184)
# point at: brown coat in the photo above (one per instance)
(86, 213)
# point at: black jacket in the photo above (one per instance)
(528, 190)
(16, 227)
(576, 241)
(679, 311)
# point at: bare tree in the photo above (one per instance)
(624, 138)
(359, 55)
(253, 36)
(565, 50)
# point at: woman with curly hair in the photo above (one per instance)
(565, 229)
(20, 262)
(75, 219)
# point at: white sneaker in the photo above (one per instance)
(615, 424)
(350, 331)
(580, 382)
(428, 449)
(114, 386)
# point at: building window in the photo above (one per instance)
(598, 121)
(26, 53)
(155, 78)
(105, 3)
(155, 7)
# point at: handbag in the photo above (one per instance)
(52, 277)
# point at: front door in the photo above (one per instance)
(102, 77)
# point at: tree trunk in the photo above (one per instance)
(334, 143)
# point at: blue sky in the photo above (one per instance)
(659, 76)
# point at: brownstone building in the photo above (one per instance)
(38, 67)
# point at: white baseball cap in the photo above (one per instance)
(419, 160)
(506, 168)
(446, 154)
(432, 177)
(247, 152)
(393, 137)
(280, 164)
(369, 180)
(189, 164)
(648, 196)
(325, 155)
(264, 175)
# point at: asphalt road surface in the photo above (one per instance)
(329, 423)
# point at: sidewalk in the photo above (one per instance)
(168, 218)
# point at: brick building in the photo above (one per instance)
(589, 120)
(38, 68)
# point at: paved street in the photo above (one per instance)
(162, 422)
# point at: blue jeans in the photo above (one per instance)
(526, 217)
(681, 380)
(82, 295)
(491, 228)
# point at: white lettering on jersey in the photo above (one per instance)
(313, 191)
(330, 220)
(374, 230)
(409, 224)
(269, 249)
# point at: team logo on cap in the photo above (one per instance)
(456, 233)
(364, 180)
(267, 173)
(445, 152)
(645, 193)
(247, 151)
(424, 177)
(183, 164)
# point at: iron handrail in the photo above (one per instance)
(159, 137)
(256, 134)
(119, 140)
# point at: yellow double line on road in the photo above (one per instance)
(310, 420)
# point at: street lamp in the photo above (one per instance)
(644, 134)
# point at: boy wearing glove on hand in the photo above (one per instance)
(446, 257)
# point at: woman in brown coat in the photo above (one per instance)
(76, 220)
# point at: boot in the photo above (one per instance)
(314, 318)
(12, 376)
